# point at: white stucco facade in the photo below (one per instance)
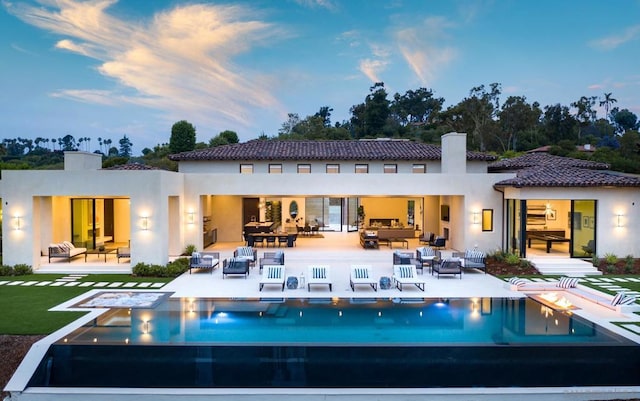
(164, 210)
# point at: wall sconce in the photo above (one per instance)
(145, 327)
(191, 217)
(17, 223)
(145, 223)
(619, 216)
(476, 218)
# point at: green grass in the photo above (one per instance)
(25, 310)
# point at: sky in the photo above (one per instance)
(109, 68)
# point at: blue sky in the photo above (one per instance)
(106, 68)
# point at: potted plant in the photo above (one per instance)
(361, 214)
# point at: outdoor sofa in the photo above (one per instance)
(65, 250)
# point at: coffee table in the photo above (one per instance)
(99, 252)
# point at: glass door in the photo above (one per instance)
(351, 214)
(82, 223)
(516, 220)
(583, 228)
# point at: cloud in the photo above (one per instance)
(611, 42)
(372, 68)
(180, 62)
(422, 48)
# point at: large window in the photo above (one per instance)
(362, 168)
(246, 169)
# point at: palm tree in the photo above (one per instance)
(607, 103)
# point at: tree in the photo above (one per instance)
(125, 147)
(325, 114)
(478, 112)
(230, 136)
(559, 124)
(516, 118)
(624, 120)
(416, 107)
(376, 110)
(68, 143)
(607, 102)
(585, 114)
(183, 137)
(293, 119)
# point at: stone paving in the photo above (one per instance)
(73, 280)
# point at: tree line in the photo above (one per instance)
(503, 127)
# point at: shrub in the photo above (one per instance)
(595, 260)
(177, 267)
(141, 270)
(6, 270)
(628, 264)
(610, 258)
(22, 270)
(512, 259)
(189, 250)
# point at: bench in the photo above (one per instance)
(580, 291)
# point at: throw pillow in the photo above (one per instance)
(567, 282)
(617, 298)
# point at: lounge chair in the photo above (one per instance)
(406, 274)
(447, 266)
(272, 274)
(235, 266)
(318, 275)
(361, 274)
(204, 260)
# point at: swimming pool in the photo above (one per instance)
(489, 342)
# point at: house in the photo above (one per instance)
(468, 197)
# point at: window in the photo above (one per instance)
(275, 168)
(362, 168)
(304, 168)
(390, 168)
(333, 168)
(487, 219)
(419, 169)
(246, 169)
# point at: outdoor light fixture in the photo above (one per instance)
(17, 223)
(476, 217)
(191, 217)
(619, 220)
(145, 223)
(145, 327)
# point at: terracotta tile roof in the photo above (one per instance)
(132, 166)
(323, 150)
(552, 176)
(544, 159)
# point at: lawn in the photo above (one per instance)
(25, 310)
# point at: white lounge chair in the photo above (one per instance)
(272, 274)
(318, 275)
(406, 274)
(361, 274)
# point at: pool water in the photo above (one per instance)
(340, 343)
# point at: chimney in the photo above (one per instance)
(82, 161)
(454, 153)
